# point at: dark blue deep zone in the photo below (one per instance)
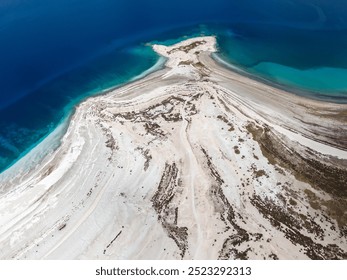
(55, 53)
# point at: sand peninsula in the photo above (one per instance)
(193, 161)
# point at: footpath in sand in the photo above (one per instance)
(191, 162)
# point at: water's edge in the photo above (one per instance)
(51, 140)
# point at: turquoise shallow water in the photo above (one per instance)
(26, 123)
(305, 62)
(322, 80)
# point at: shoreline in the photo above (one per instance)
(307, 94)
(184, 147)
(67, 117)
(160, 65)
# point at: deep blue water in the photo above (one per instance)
(55, 53)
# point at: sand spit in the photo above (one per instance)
(190, 162)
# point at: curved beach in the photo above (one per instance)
(191, 162)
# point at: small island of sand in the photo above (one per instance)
(194, 161)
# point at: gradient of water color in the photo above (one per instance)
(55, 53)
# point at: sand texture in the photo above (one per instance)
(194, 161)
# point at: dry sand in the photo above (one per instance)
(191, 162)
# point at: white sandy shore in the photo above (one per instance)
(167, 167)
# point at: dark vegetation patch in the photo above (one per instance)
(273, 256)
(292, 202)
(154, 129)
(113, 240)
(186, 62)
(240, 255)
(62, 227)
(308, 169)
(227, 215)
(164, 109)
(110, 142)
(188, 48)
(260, 173)
(292, 227)
(204, 72)
(335, 208)
(313, 171)
(169, 185)
(229, 123)
(146, 154)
